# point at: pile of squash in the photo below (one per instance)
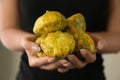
(59, 36)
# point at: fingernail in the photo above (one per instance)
(84, 52)
(102, 44)
(70, 57)
(51, 60)
(63, 61)
(66, 64)
(35, 48)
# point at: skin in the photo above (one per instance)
(16, 39)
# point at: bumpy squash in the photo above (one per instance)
(59, 37)
(49, 22)
(56, 44)
(76, 24)
(85, 41)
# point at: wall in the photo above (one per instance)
(9, 62)
(112, 66)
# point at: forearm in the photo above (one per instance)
(12, 38)
(112, 41)
(112, 35)
(9, 22)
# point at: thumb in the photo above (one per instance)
(101, 44)
(30, 46)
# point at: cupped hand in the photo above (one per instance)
(31, 48)
(62, 65)
(87, 56)
(74, 61)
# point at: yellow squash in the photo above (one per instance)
(76, 24)
(56, 44)
(85, 41)
(49, 22)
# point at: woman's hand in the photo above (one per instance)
(75, 62)
(31, 48)
(87, 56)
(62, 65)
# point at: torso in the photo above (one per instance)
(95, 12)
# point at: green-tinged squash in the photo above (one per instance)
(49, 22)
(56, 44)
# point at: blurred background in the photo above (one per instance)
(9, 64)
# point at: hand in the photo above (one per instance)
(87, 56)
(31, 48)
(75, 62)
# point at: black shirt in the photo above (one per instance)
(95, 12)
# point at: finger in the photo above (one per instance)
(51, 66)
(101, 44)
(38, 62)
(88, 56)
(66, 63)
(77, 63)
(63, 69)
